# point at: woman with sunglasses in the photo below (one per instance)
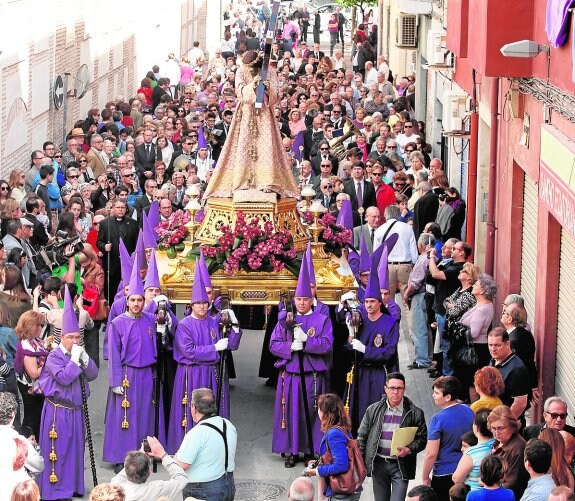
(104, 193)
(181, 126)
(16, 183)
(9, 209)
(5, 191)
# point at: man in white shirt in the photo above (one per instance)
(370, 74)
(407, 136)
(403, 255)
(208, 450)
(171, 71)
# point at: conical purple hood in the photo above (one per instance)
(345, 216)
(310, 266)
(201, 263)
(69, 319)
(136, 287)
(201, 138)
(149, 233)
(199, 294)
(154, 214)
(152, 278)
(364, 256)
(125, 263)
(372, 291)
(140, 252)
(382, 268)
(303, 288)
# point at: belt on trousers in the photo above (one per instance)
(386, 460)
(399, 262)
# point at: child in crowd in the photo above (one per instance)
(492, 473)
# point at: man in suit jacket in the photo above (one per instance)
(425, 209)
(145, 157)
(373, 219)
(146, 199)
(311, 137)
(39, 236)
(95, 156)
(326, 194)
(361, 192)
(221, 131)
(555, 414)
(317, 54)
(306, 176)
(324, 156)
(113, 229)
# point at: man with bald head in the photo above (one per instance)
(301, 489)
(373, 220)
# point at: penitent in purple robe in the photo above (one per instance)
(118, 307)
(380, 338)
(60, 382)
(198, 366)
(132, 355)
(292, 437)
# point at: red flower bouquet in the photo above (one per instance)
(249, 246)
(334, 236)
(173, 232)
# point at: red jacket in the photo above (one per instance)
(385, 196)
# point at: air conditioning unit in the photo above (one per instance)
(454, 109)
(436, 48)
(406, 32)
(412, 61)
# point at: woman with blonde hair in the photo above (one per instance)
(16, 183)
(9, 209)
(107, 492)
(560, 470)
(31, 353)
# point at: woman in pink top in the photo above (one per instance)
(478, 319)
(186, 72)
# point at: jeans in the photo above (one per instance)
(420, 332)
(332, 42)
(447, 363)
(222, 489)
(388, 485)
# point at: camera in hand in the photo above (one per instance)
(146, 446)
(443, 197)
(57, 254)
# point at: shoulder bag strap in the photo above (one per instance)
(223, 435)
(387, 231)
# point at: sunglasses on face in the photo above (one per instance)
(73, 177)
(4, 188)
(83, 161)
(57, 156)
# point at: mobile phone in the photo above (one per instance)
(146, 446)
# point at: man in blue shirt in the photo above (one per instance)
(538, 462)
(444, 435)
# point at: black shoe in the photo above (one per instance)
(290, 461)
(435, 374)
(415, 365)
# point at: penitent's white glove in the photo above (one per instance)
(350, 295)
(75, 353)
(84, 358)
(160, 297)
(350, 327)
(357, 345)
(297, 346)
(118, 390)
(222, 344)
(299, 335)
(232, 315)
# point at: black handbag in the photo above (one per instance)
(467, 354)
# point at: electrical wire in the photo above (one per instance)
(557, 99)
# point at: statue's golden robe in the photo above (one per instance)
(253, 158)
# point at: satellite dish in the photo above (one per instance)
(58, 92)
(81, 81)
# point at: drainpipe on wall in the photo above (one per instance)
(491, 193)
(472, 171)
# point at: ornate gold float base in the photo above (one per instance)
(224, 211)
(334, 276)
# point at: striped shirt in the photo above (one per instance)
(391, 421)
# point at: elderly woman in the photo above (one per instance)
(16, 183)
(468, 469)
(477, 320)
(488, 385)
(359, 116)
(86, 173)
(296, 123)
(417, 162)
(509, 446)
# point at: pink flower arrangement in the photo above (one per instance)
(173, 231)
(250, 247)
(335, 236)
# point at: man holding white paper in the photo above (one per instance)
(395, 419)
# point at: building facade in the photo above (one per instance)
(522, 144)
